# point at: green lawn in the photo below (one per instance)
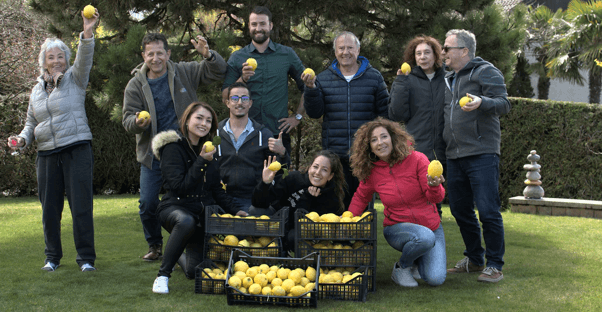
(552, 264)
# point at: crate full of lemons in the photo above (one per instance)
(219, 247)
(311, 225)
(217, 221)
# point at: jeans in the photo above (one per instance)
(470, 180)
(185, 234)
(68, 171)
(150, 186)
(241, 203)
(418, 244)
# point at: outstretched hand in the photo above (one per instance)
(90, 24)
(200, 44)
(268, 175)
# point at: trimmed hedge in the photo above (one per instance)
(567, 136)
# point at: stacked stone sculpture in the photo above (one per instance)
(533, 182)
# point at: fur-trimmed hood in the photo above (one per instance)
(163, 138)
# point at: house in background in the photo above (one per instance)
(559, 90)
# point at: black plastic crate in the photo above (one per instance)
(361, 256)
(364, 229)
(205, 284)
(235, 297)
(219, 252)
(274, 226)
(355, 289)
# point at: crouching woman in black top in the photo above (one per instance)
(320, 189)
(191, 180)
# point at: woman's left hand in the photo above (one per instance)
(242, 213)
(435, 181)
(90, 24)
(314, 191)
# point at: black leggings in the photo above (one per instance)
(185, 234)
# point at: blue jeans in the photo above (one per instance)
(418, 244)
(241, 203)
(471, 180)
(150, 186)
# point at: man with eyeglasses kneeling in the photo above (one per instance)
(245, 144)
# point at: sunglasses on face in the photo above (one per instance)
(446, 49)
(244, 98)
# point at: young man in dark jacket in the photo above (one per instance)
(473, 136)
(245, 145)
(348, 94)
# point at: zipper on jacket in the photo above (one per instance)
(451, 114)
(50, 122)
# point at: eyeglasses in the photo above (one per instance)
(446, 49)
(244, 98)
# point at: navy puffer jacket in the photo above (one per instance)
(346, 105)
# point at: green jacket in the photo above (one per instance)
(184, 79)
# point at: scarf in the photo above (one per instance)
(52, 81)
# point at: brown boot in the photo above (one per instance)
(154, 253)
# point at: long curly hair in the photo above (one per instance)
(362, 158)
(340, 185)
(409, 55)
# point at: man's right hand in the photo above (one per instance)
(309, 80)
(141, 122)
(247, 72)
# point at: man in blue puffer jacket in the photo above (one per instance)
(349, 93)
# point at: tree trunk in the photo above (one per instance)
(543, 87)
(595, 85)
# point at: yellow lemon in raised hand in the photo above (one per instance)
(275, 166)
(465, 100)
(405, 68)
(252, 62)
(435, 169)
(309, 71)
(144, 115)
(89, 11)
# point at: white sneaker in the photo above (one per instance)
(160, 285)
(50, 267)
(86, 267)
(403, 277)
(415, 272)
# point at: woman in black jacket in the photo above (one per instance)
(192, 182)
(320, 189)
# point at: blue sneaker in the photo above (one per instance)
(86, 267)
(50, 267)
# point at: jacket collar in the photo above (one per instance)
(364, 65)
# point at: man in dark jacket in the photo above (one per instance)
(348, 94)
(473, 136)
(163, 89)
(245, 145)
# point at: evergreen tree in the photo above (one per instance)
(521, 82)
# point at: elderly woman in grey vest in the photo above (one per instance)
(56, 120)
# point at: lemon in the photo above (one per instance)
(251, 272)
(240, 275)
(241, 266)
(261, 279)
(274, 268)
(304, 281)
(310, 273)
(278, 291)
(89, 11)
(287, 284)
(310, 286)
(271, 275)
(247, 281)
(143, 115)
(276, 281)
(297, 290)
(266, 291)
(309, 71)
(275, 166)
(282, 274)
(264, 268)
(313, 216)
(208, 146)
(244, 242)
(465, 100)
(234, 281)
(255, 289)
(231, 240)
(252, 62)
(405, 68)
(347, 214)
(295, 276)
(435, 168)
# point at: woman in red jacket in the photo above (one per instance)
(385, 162)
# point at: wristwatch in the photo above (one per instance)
(212, 57)
(298, 116)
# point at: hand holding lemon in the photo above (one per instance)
(406, 68)
(89, 11)
(309, 78)
(469, 102)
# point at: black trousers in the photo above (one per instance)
(185, 234)
(67, 172)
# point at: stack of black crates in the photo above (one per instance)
(319, 236)
(218, 252)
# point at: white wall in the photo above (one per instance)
(562, 90)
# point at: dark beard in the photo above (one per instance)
(263, 37)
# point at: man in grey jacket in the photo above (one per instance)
(163, 89)
(472, 134)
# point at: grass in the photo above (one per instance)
(552, 264)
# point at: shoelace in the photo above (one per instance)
(463, 264)
(490, 271)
